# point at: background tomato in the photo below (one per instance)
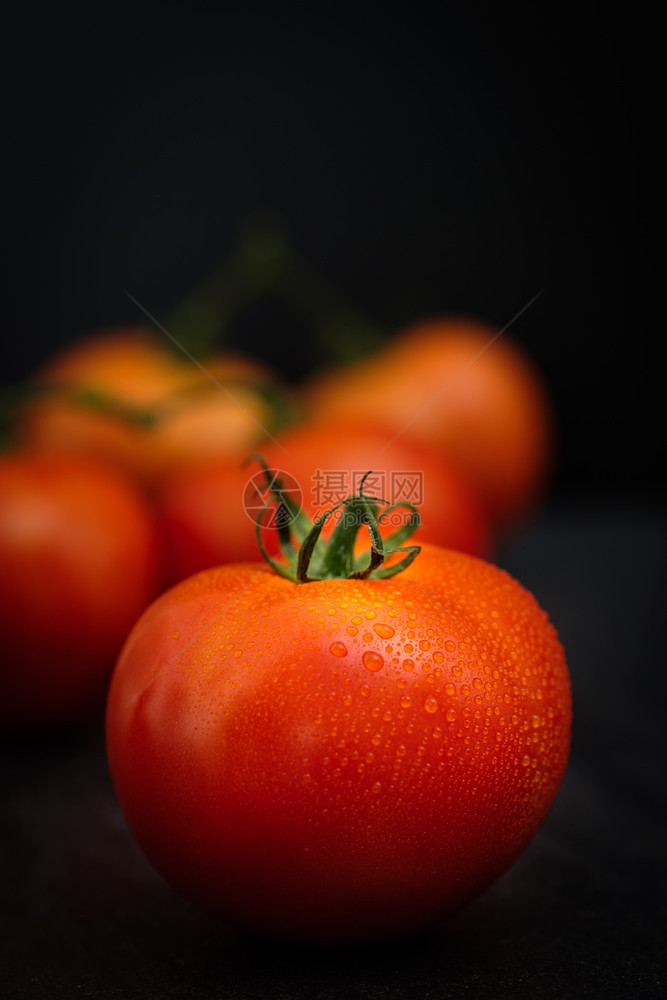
(329, 456)
(122, 395)
(443, 381)
(343, 759)
(204, 513)
(80, 560)
(205, 519)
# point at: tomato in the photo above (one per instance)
(344, 759)
(122, 395)
(328, 457)
(454, 383)
(207, 520)
(80, 558)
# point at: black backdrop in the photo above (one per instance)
(421, 162)
(450, 160)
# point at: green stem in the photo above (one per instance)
(87, 397)
(315, 558)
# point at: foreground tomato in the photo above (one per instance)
(342, 759)
(124, 396)
(455, 383)
(79, 562)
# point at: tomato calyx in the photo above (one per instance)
(309, 557)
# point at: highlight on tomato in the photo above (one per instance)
(124, 395)
(334, 745)
(457, 384)
(81, 559)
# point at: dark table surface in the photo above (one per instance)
(580, 914)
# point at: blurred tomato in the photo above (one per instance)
(80, 559)
(122, 395)
(208, 516)
(329, 457)
(447, 382)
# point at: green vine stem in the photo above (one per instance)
(17, 398)
(264, 263)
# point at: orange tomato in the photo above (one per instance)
(121, 395)
(314, 764)
(447, 382)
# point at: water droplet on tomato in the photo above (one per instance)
(408, 665)
(450, 714)
(384, 631)
(338, 649)
(406, 701)
(431, 704)
(525, 761)
(372, 661)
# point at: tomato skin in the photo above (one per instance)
(452, 382)
(80, 557)
(286, 762)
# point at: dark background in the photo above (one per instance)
(420, 162)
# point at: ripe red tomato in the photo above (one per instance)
(329, 457)
(80, 561)
(343, 759)
(452, 382)
(124, 396)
